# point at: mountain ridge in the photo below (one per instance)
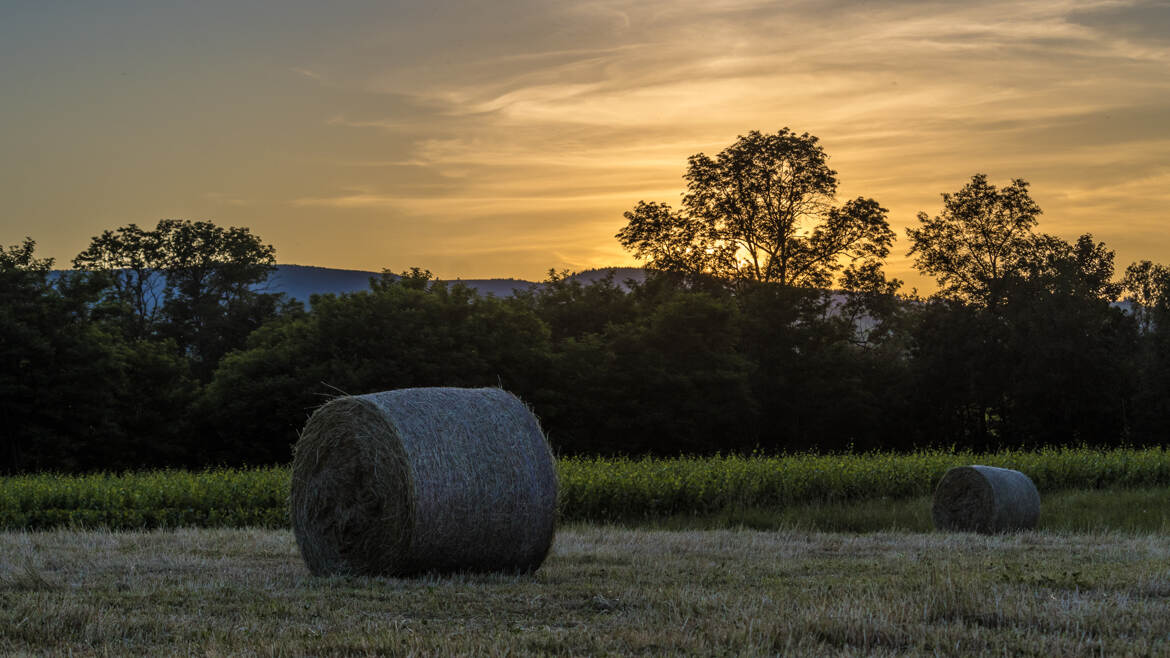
(301, 281)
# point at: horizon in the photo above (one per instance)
(398, 272)
(504, 141)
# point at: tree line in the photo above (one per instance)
(765, 323)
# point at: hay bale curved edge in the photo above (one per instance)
(423, 480)
(985, 499)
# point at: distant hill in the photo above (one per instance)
(301, 281)
(620, 275)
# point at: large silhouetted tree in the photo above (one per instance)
(212, 304)
(981, 240)
(761, 210)
(192, 282)
(132, 258)
(1022, 345)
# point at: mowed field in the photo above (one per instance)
(604, 590)
(800, 555)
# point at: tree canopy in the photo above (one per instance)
(979, 242)
(761, 210)
(161, 349)
(191, 281)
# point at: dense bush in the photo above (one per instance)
(401, 333)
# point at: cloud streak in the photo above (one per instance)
(909, 98)
(549, 119)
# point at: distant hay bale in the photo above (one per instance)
(985, 499)
(420, 480)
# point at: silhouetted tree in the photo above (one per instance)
(132, 259)
(981, 240)
(959, 367)
(56, 401)
(192, 282)
(405, 331)
(1146, 285)
(1147, 288)
(1028, 349)
(1082, 269)
(666, 378)
(762, 210)
(572, 309)
(1069, 350)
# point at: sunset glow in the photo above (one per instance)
(504, 139)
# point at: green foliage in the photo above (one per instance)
(662, 376)
(571, 309)
(403, 332)
(591, 489)
(190, 282)
(156, 499)
(51, 355)
(599, 489)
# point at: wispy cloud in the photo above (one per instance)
(308, 73)
(484, 135)
(461, 208)
(903, 94)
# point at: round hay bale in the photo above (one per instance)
(985, 499)
(423, 480)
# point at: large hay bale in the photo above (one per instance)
(985, 499)
(423, 480)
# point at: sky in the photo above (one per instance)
(505, 138)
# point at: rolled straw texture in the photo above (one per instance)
(985, 499)
(423, 480)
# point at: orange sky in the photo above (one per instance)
(503, 139)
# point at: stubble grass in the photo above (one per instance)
(604, 590)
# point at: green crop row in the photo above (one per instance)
(591, 489)
(623, 489)
(213, 498)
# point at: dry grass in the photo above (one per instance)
(602, 590)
